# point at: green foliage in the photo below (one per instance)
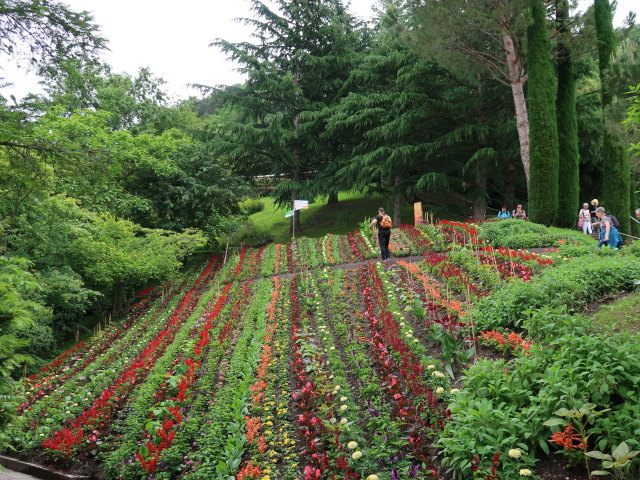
(249, 207)
(543, 132)
(603, 16)
(615, 158)
(633, 112)
(18, 312)
(45, 33)
(504, 407)
(517, 234)
(569, 155)
(574, 285)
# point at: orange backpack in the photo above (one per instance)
(386, 222)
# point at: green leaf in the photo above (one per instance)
(621, 451)
(598, 455)
(553, 422)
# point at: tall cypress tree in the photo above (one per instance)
(616, 178)
(543, 132)
(569, 155)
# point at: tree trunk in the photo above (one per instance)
(480, 199)
(5, 245)
(116, 296)
(397, 201)
(295, 219)
(333, 198)
(510, 189)
(517, 79)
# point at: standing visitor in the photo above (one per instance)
(594, 218)
(638, 213)
(384, 232)
(609, 234)
(520, 213)
(504, 213)
(584, 219)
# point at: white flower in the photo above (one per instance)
(337, 387)
(343, 407)
(343, 399)
(372, 477)
(438, 374)
(439, 390)
(525, 472)
(343, 420)
(453, 391)
(352, 445)
(515, 453)
(430, 367)
(356, 455)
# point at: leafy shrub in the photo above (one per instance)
(513, 233)
(571, 250)
(633, 249)
(504, 406)
(574, 284)
(251, 235)
(251, 206)
(435, 235)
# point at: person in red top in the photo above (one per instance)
(384, 234)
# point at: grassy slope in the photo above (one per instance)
(321, 219)
(622, 315)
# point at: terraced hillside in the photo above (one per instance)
(276, 365)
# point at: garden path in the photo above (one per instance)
(11, 475)
(356, 265)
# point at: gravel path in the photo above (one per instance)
(11, 475)
(355, 265)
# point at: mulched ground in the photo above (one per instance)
(554, 467)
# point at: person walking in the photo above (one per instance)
(384, 224)
(609, 234)
(584, 219)
(519, 213)
(504, 213)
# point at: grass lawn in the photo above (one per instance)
(320, 218)
(623, 315)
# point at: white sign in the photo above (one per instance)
(298, 204)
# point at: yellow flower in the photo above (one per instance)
(525, 472)
(356, 455)
(430, 367)
(266, 477)
(372, 477)
(438, 374)
(343, 407)
(343, 420)
(453, 391)
(439, 390)
(343, 399)
(515, 453)
(351, 445)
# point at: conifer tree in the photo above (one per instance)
(616, 177)
(569, 155)
(295, 70)
(543, 134)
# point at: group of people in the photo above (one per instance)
(594, 219)
(518, 213)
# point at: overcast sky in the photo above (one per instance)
(172, 38)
